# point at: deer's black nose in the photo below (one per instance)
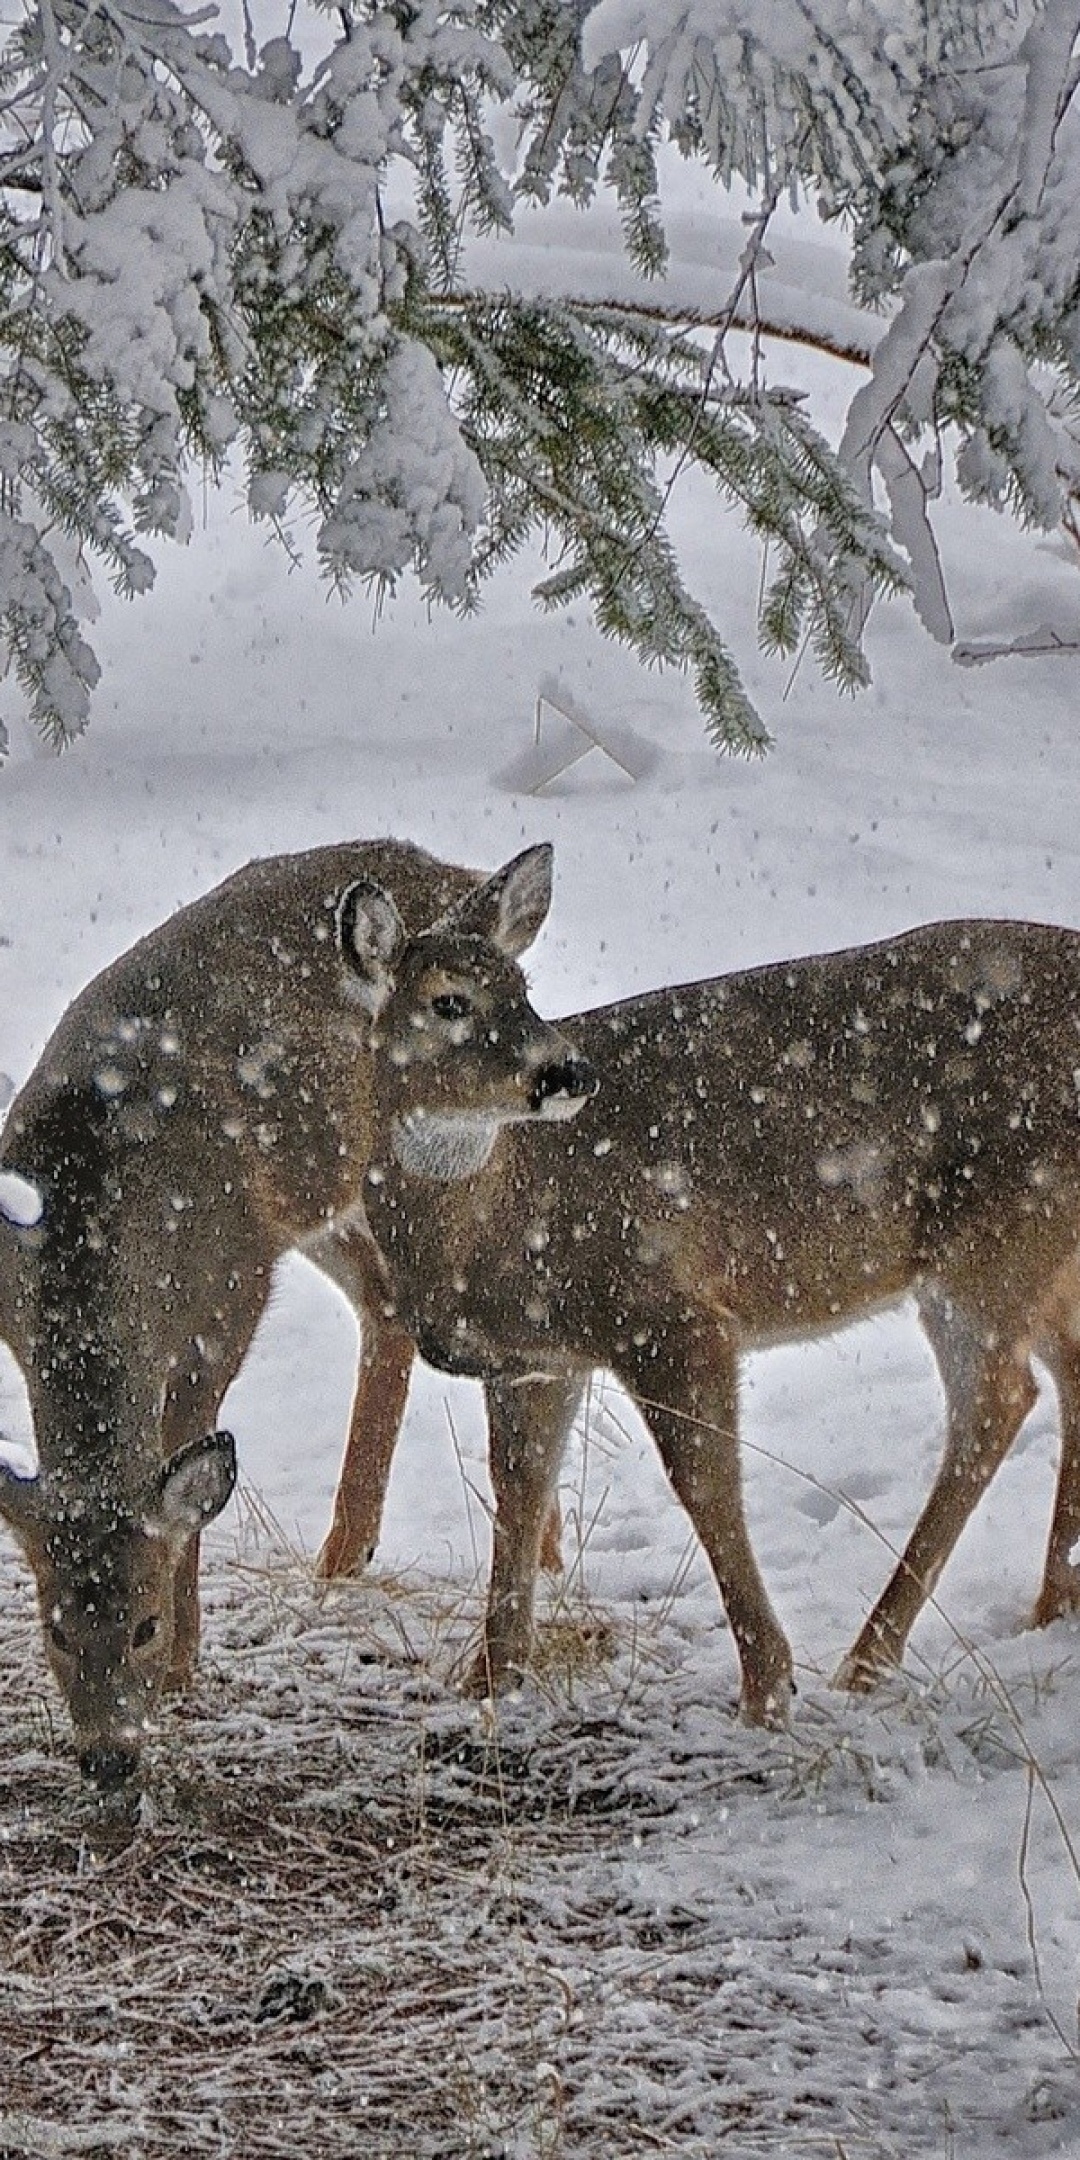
(109, 1767)
(569, 1079)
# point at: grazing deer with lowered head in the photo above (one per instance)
(203, 1106)
(768, 1156)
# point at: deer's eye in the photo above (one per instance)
(60, 1641)
(143, 1633)
(452, 1005)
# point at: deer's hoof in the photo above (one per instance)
(862, 1671)
(769, 1708)
(341, 1562)
(1058, 1598)
(180, 1678)
(486, 1679)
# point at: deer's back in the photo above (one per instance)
(205, 1101)
(788, 1145)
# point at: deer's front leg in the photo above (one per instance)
(684, 1379)
(528, 1425)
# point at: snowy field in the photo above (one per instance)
(616, 1924)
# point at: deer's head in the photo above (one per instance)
(460, 1051)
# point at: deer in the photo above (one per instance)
(769, 1155)
(203, 1106)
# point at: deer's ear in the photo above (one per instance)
(193, 1486)
(21, 1206)
(20, 1499)
(370, 935)
(510, 907)
(7, 1274)
(21, 1209)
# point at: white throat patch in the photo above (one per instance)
(439, 1144)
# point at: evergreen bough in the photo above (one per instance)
(202, 259)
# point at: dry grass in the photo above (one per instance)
(360, 1919)
(314, 1936)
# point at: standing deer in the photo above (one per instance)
(204, 1105)
(769, 1155)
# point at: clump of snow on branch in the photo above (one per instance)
(414, 492)
(949, 142)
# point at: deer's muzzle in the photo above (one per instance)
(560, 1088)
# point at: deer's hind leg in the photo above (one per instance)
(989, 1389)
(1060, 1592)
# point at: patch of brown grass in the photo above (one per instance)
(312, 1943)
(363, 1920)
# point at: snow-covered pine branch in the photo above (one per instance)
(197, 256)
(948, 141)
(213, 254)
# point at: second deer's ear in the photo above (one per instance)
(20, 1500)
(370, 933)
(192, 1488)
(511, 906)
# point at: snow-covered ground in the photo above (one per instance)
(891, 1899)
